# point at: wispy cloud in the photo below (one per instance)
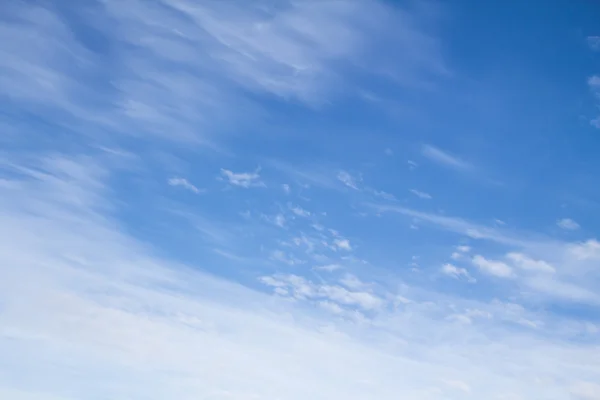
(594, 85)
(527, 263)
(343, 244)
(459, 225)
(329, 267)
(177, 67)
(594, 42)
(347, 179)
(456, 272)
(82, 295)
(184, 183)
(277, 220)
(493, 267)
(567, 224)
(299, 211)
(104, 290)
(420, 194)
(444, 158)
(242, 179)
(300, 288)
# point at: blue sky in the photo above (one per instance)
(299, 199)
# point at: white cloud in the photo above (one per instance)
(441, 157)
(586, 390)
(347, 179)
(493, 267)
(87, 308)
(459, 225)
(177, 67)
(80, 295)
(412, 165)
(588, 250)
(299, 211)
(331, 307)
(182, 182)
(563, 290)
(594, 42)
(328, 267)
(567, 224)
(463, 249)
(420, 194)
(352, 282)
(281, 256)
(301, 288)
(343, 244)
(594, 83)
(524, 262)
(364, 300)
(279, 220)
(456, 272)
(382, 194)
(243, 179)
(456, 384)
(286, 188)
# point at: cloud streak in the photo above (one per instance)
(184, 183)
(443, 158)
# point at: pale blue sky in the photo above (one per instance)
(299, 199)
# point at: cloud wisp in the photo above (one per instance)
(184, 183)
(444, 158)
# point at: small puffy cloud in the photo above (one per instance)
(299, 211)
(594, 42)
(347, 179)
(567, 224)
(182, 182)
(286, 188)
(420, 194)
(343, 244)
(279, 220)
(524, 262)
(243, 179)
(463, 249)
(493, 267)
(456, 272)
